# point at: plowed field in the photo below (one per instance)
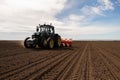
(97, 60)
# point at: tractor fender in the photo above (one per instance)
(56, 35)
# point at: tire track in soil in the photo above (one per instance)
(114, 69)
(114, 54)
(84, 68)
(111, 58)
(18, 60)
(90, 64)
(17, 71)
(38, 73)
(15, 53)
(32, 60)
(69, 68)
(101, 69)
(18, 53)
(93, 62)
(47, 67)
(12, 48)
(54, 72)
(85, 71)
(28, 71)
(73, 72)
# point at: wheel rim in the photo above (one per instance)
(51, 43)
(59, 42)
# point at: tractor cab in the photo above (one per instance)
(49, 29)
(44, 30)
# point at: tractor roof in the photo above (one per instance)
(47, 26)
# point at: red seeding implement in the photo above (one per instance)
(46, 37)
(66, 42)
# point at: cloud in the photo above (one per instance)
(89, 32)
(118, 1)
(18, 14)
(77, 23)
(75, 18)
(98, 9)
(106, 5)
(22, 16)
(36, 4)
(85, 14)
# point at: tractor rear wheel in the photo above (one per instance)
(50, 43)
(57, 41)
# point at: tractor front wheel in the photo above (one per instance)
(25, 43)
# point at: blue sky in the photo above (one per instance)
(76, 19)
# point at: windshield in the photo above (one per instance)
(45, 29)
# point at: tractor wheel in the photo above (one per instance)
(44, 43)
(28, 45)
(25, 43)
(50, 43)
(57, 41)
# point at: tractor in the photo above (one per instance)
(44, 37)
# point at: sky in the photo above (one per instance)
(76, 19)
